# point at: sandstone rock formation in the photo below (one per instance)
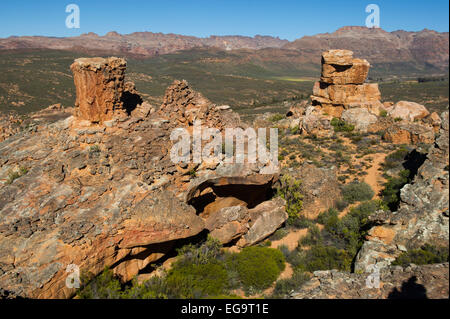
(412, 282)
(423, 215)
(342, 86)
(99, 84)
(108, 194)
(409, 133)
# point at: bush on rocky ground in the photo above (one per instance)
(427, 254)
(357, 192)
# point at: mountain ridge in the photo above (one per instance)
(378, 45)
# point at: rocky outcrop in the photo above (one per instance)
(99, 84)
(319, 187)
(409, 133)
(313, 122)
(342, 86)
(107, 194)
(423, 214)
(412, 282)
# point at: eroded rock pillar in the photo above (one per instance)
(99, 86)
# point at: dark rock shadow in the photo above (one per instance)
(131, 101)
(410, 290)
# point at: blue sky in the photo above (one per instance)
(288, 19)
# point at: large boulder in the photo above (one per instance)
(409, 133)
(265, 218)
(361, 118)
(408, 111)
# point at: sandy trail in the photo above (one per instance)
(374, 178)
(291, 239)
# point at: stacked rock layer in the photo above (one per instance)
(342, 86)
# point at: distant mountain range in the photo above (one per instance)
(426, 48)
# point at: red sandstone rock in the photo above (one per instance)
(99, 86)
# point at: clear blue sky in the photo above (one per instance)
(288, 19)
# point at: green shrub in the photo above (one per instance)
(341, 126)
(326, 257)
(290, 192)
(154, 288)
(427, 254)
(383, 113)
(104, 286)
(357, 191)
(279, 234)
(276, 118)
(13, 175)
(313, 237)
(396, 158)
(392, 187)
(258, 267)
(324, 216)
(300, 222)
(197, 280)
(200, 254)
(284, 287)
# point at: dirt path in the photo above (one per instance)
(374, 177)
(291, 239)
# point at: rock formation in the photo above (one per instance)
(99, 190)
(99, 84)
(423, 215)
(342, 86)
(412, 282)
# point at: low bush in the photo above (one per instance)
(284, 287)
(279, 234)
(391, 191)
(197, 280)
(13, 175)
(321, 257)
(258, 267)
(427, 254)
(356, 192)
(290, 192)
(104, 286)
(341, 126)
(324, 216)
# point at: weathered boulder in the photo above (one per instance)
(319, 187)
(314, 122)
(408, 111)
(409, 133)
(229, 223)
(354, 73)
(361, 118)
(265, 218)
